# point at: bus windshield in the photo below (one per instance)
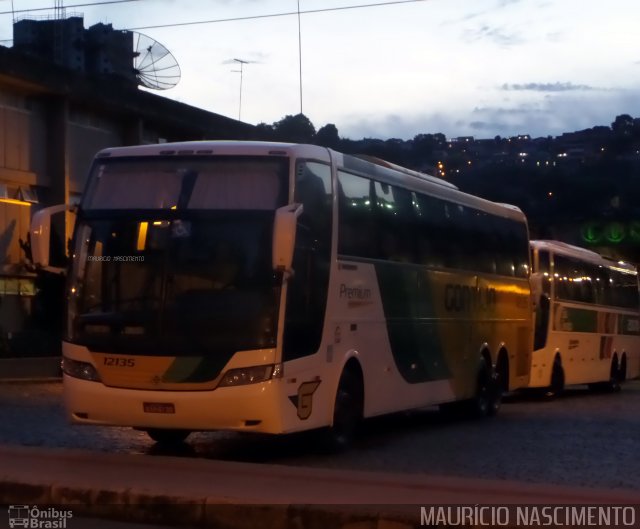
(180, 272)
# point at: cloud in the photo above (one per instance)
(564, 111)
(498, 35)
(477, 14)
(547, 87)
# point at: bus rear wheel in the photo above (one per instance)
(488, 397)
(612, 385)
(168, 437)
(556, 387)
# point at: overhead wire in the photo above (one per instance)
(274, 15)
(66, 7)
(239, 19)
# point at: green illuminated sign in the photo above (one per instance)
(616, 232)
(592, 233)
(595, 232)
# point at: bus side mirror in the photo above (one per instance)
(284, 237)
(40, 234)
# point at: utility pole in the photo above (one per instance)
(241, 63)
(300, 54)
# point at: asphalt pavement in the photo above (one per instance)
(169, 490)
(228, 494)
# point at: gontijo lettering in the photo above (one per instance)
(460, 298)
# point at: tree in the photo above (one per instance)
(264, 132)
(327, 136)
(622, 134)
(296, 129)
(623, 125)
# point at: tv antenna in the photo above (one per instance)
(153, 64)
(58, 7)
(241, 62)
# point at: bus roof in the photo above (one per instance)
(222, 147)
(583, 254)
(369, 166)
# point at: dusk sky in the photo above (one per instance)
(460, 67)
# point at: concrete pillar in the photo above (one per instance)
(58, 168)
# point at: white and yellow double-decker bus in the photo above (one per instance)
(278, 287)
(587, 328)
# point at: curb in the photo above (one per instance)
(198, 493)
(32, 369)
(147, 508)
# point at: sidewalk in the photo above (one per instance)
(30, 368)
(223, 494)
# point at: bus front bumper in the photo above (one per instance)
(251, 407)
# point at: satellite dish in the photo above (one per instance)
(153, 64)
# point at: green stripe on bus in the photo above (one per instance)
(409, 309)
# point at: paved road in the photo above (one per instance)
(581, 439)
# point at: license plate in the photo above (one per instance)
(158, 407)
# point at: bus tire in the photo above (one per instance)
(615, 378)
(166, 436)
(502, 373)
(556, 385)
(613, 386)
(347, 411)
(623, 368)
(486, 401)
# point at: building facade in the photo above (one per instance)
(52, 122)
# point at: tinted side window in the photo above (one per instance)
(394, 223)
(624, 289)
(307, 290)
(432, 245)
(573, 280)
(356, 219)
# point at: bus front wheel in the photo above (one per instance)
(615, 378)
(167, 436)
(347, 412)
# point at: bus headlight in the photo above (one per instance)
(248, 375)
(77, 369)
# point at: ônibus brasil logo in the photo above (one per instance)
(34, 517)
